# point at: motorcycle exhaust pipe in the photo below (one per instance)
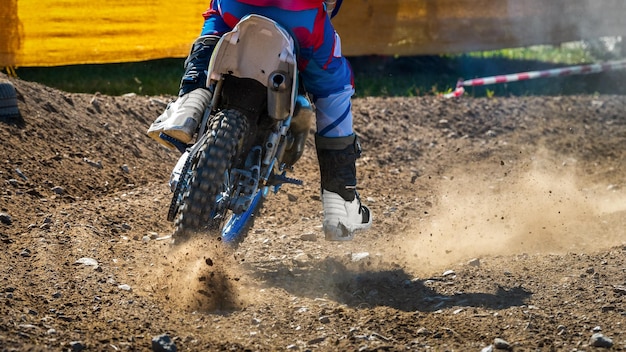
(279, 96)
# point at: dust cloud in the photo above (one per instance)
(546, 208)
(201, 275)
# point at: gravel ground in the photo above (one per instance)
(499, 223)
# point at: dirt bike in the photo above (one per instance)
(253, 132)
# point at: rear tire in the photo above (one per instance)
(221, 151)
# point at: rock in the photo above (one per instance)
(163, 343)
(77, 346)
(6, 219)
(474, 262)
(422, 332)
(21, 174)
(87, 261)
(359, 256)
(301, 259)
(125, 287)
(448, 273)
(9, 108)
(599, 340)
(58, 190)
(310, 236)
(96, 164)
(501, 344)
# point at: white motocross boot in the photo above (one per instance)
(181, 117)
(343, 212)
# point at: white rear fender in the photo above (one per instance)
(256, 48)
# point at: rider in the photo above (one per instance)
(326, 75)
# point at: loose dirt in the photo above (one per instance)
(499, 223)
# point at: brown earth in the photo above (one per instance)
(499, 223)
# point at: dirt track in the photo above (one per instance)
(498, 222)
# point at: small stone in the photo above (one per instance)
(21, 174)
(77, 346)
(6, 219)
(359, 256)
(96, 164)
(87, 261)
(125, 287)
(501, 344)
(163, 343)
(310, 236)
(422, 332)
(599, 340)
(474, 262)
(58, 190)
(324, 319)
(300, 259)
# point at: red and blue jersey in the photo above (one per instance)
(306, 19)
(325, 73)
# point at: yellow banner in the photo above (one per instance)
(63, 32)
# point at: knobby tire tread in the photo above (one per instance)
(217, 155)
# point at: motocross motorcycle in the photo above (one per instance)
(251, 134)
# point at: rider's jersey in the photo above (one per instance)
(325, 73)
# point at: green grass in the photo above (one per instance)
(374, 75)
(154, 77)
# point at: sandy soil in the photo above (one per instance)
(499, 224)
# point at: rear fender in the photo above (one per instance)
(257, 48)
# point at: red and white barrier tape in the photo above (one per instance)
(555, 72)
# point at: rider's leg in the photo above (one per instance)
(343, 212)
(337, 151)
(180, 119)
(328, 77)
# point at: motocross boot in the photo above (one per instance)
(181, 117)
(343, 212)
